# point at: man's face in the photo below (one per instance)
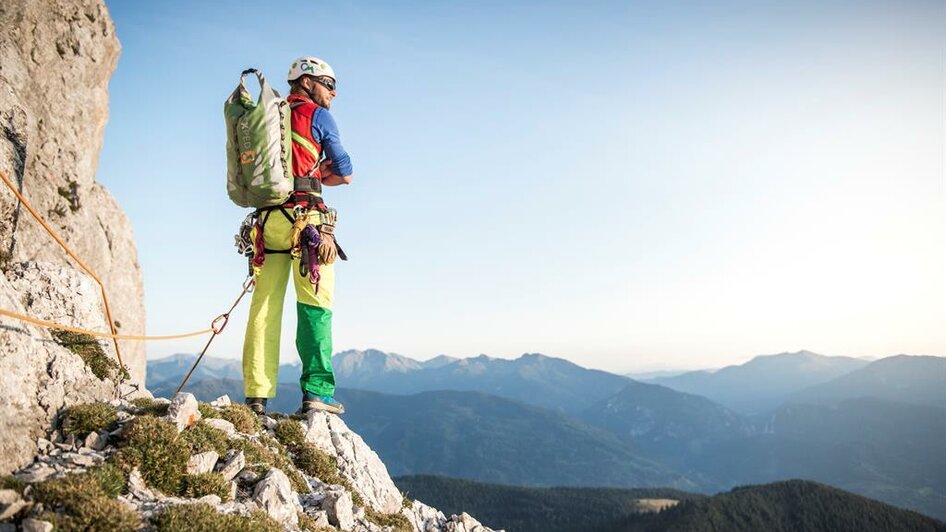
(321, 94)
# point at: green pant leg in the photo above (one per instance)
(314, 330)
(314, 342)
(261, 342)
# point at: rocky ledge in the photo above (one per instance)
(154, 464)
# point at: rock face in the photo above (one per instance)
(56, 57)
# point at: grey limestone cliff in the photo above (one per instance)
(56, 57)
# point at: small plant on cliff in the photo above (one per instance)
(205, 518)
(155, 448)
(197, 486)
(91, 352)
(79, 502)
(397, 522)
(260, 459)
(150, 407)
(93, 417)
(242, 418)
(10, 482)
(202, 438)
(289, 433)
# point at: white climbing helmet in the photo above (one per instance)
(312, 66)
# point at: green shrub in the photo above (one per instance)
(260, 459)
(74, 503)
(154, 447)
(308, 524)
(150, 407)
(207, 411)
(83, 419)
(201, 438)
(110, 479)
(317, 463)
(289, 433)
(91, 352)
(205, 518)
(398, 522)
(242, 418)
(197, 486)
(10, 482)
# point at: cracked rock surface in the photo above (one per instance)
(51, 131)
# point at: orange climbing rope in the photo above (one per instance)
(216, 327)
(108, 310)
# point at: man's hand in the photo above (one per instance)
(329, 178)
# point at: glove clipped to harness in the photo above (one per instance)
(328, 251)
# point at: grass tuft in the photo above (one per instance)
(83, 419)
(78, 502)
(150, 407)
(205, 518)
(397, 522)
(201, 438)
(10, 482)
(197, 486)
(207, 411)
(155, 448)
(289, 433)
(91, 352)
(242, 418)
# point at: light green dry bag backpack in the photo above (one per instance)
(259, 146)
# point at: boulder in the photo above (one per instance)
(221, 424)
(357, 463)
(339, 508)
(234, 464)
(202, 463)
(183, 410)
(274, 495)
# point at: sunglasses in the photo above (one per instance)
(328, 83)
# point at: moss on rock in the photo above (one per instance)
(197, 486)
(242, 418)
(289, 433)
(83, 419)
(205, 518)
(91, 352)
(155, 448)
(150, 407)
(201, 438)
(79, 502)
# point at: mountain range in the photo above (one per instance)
(473, 419)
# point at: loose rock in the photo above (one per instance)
(235, 463)
(202, 463)
(274, 495)
(183, 410)
(37, 525)
(221, 424)
(340, 509)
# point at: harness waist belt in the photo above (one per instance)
(306, 184)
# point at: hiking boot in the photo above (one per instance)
(257, 405)
(323, 403)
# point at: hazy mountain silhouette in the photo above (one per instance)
(904, 378)
(763, 383)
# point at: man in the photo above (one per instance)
(318, 158)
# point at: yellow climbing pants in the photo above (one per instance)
(314, 310)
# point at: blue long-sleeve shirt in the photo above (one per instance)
(325, 131)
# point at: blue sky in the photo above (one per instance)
(629, 185)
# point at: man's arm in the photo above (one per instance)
(336, 169)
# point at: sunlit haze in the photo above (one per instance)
(628, 185)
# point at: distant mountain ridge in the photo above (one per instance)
(765, 382)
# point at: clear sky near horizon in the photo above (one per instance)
(628, 185)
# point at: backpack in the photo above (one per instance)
(259, 146)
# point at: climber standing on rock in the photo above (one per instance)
(297, 238)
